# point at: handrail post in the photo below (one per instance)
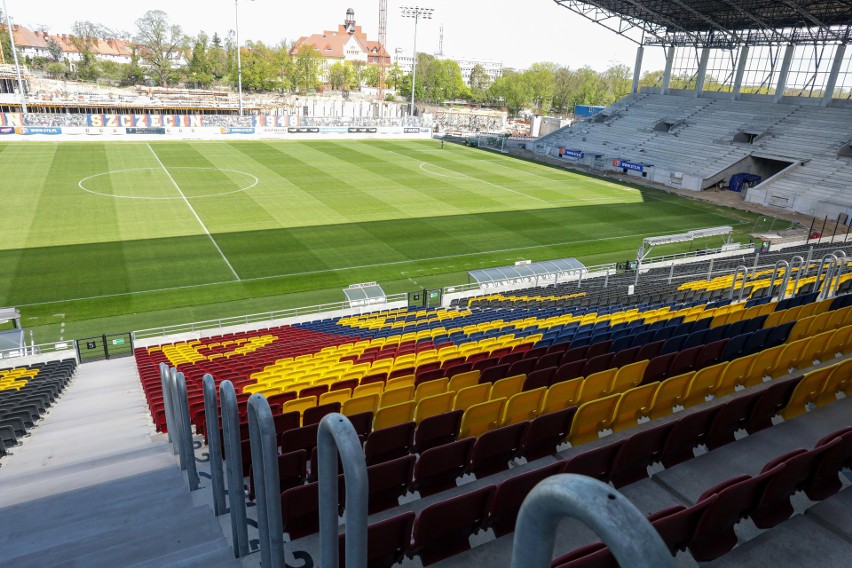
(822, 293)
(841, 267)
(775, 273)
(234, 465)
(744, 270)
(264, 460)
(337, 435)
(167, 405)
(799, 263)
(630, 537)
(214, 444)
(184, 426)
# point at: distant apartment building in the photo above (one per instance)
(33, 45)
(492, 68)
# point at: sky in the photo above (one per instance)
(517, 33)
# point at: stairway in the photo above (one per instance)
(92, 487)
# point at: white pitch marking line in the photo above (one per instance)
(340, 269)
(191, 208)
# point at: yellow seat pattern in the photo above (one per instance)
(505, 388)
(357, 405)
(463, 380)
(470, 396)
(670, 393)
(633, 405)
(597, 385)
(807, 391)
(703, 384)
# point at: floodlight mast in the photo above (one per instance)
(15, 57)
(416, 12)
(239, 60)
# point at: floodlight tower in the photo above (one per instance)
(15, 57)
(383, 39)
(418, 13)
(239, 60)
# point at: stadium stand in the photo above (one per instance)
(26, 394)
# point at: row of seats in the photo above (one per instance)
(442, 459)
(25, 395)
(706, 528)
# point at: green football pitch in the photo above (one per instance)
(109, 237)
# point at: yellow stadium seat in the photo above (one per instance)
(670, 393)
(818, 348)
(482, 417)
(433, 406)
(591, 418)
(505, 388)
(806, 392)
(766, 363)
(736, 374)
(839, 343)
(393, 415)
(633, 405)
(470, 396)
(371, 388)
(430, 388)
(840, 380)
(703, 384)
(299, 405)
(629, 376)
(562, 395)
(597, 385)
(819, 324)
(403, 381)
(800, 329)
(793, 356)
(523, 406)
(777, 318)
(462, 380)
(840, 318)
(340, 396)
(394, 396)
(357, 405)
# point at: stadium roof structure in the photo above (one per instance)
(721, 23)
(546, 270)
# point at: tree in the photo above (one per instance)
(85, 36)
(5, 44)
(112, 70)
(200, 68)
(394, 75)
(479, 82)
(260, 72)
(55, 51)
(307, 66)
(541, 81)
(514, 90)
(444, 81)
(370, 75)
(133, 73)
(161, 43)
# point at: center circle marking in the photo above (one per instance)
(82, 183)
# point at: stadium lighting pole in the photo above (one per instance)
(239, 59)
(416, 12)
(15, 57)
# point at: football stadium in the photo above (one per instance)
(329, 319)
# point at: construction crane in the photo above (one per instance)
(383, 38)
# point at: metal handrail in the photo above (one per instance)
(633, 541)
(214, 444)
(234, 465)
(186, 450)
(337, 435)
(264, 461)
(841, 268)
(822, 287)
(784, 278)
(165, 385)
(734, 283)
(799, 263)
